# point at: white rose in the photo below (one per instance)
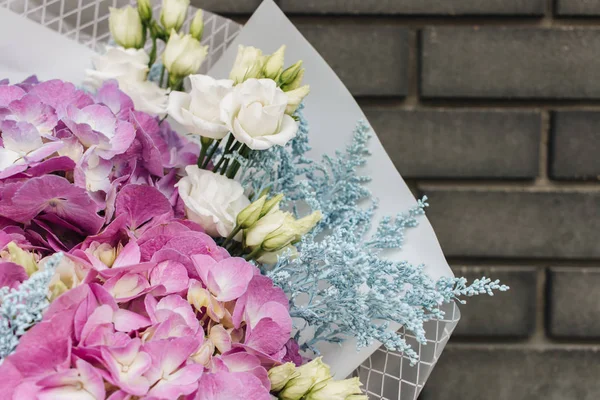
(255, 113)
(211, 200)
(183, 55)
(129, 65)
(199, 111)
(248, 64)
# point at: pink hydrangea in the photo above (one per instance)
(66, 154)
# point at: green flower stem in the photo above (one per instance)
(233, 233)
(203, 151)
(254, 254)
(162, 76)
(153, 51)
(210, 154)
(235, 167)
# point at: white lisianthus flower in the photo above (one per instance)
(255, 113)
(129, 67)
(256, 235)
(199, 111)
(172, 15)
(118, 63)
(248, 64)
(147, 96)
(126, 27)
(211, 200)
(183, 55)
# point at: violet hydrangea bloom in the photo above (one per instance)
(75, 151)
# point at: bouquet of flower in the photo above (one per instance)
(207, 262)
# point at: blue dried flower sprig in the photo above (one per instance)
(23, 307)
(340, 284)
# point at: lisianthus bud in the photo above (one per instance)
(274, 64)
(197, 25)
(336, 390)
(263, 227)
(306, 224)
(290, 74)
(296, 388)
(145, 10)
(295, 97)
(316, 369)
(281, 375)
(281, 237)
(270, 205)
(249, 215)
(22, 257)
(295, 84)
(248, 64)
(357, 397)
(172, 15)
(183, 55)
(126, 27)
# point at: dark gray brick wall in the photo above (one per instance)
(511, 62)
(228, 6)
(505, 314)
(515, 373)
(578, 7)
(417, 7)
(346, 46)
(574, 294)
(460, 143)
(575, 145)
(516, 223)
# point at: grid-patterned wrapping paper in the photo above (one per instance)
(86, 21)
(385, 374)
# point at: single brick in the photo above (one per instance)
(507, 314)
(510, 62)
(228, 6)
(574, 301)
(576, 8)
(416, 7)
(459, 144)
(516, 223)
(575, 145)
(469, 372)
(370, 59)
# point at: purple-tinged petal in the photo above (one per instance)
(21, 137)
(9, 94)
(54, 164)
(129, 255)
(172, 275)
(231, 386)
(12, 275)
(115, 99)
(127, 321)
(176, 304)
(52, 195)
(30, 109)
(260, 291)
(268, 336)
(127, 365)
(228, 279)
(82, 383)
(168, 374)
(60, 95)
(244, 362)
(141, 204)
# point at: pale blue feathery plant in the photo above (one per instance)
(340, 284)
(23, 307)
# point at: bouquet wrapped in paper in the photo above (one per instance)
(190, 209)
